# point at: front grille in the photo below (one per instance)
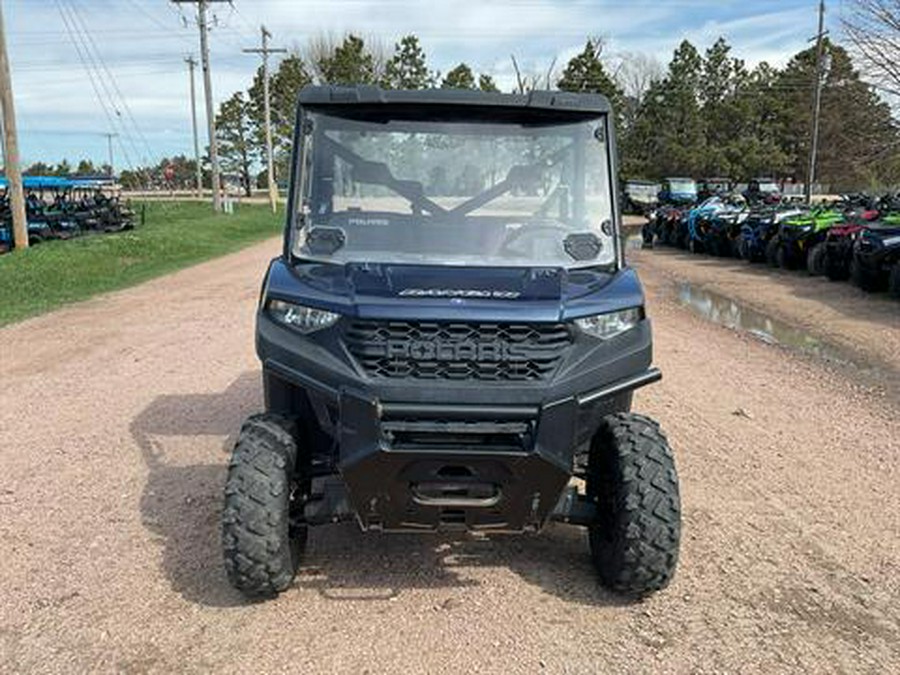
(458, 351)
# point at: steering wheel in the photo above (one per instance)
(528, 230)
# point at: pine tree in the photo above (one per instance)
(235, 135)
(585, 73)
(486, 83)
(407, 68)
(460, 77)
(285, 84)
(349, 63)
(858, 136)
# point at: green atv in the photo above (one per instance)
(800, 242)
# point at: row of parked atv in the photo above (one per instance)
(856, 237)
(62, 208)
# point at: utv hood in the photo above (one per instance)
(370, 290)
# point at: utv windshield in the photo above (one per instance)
(458, 192)
(683, 186)
(641, 190)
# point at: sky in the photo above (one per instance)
(141, 46)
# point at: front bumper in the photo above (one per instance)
(421, 455)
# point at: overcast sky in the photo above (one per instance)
(143, 43)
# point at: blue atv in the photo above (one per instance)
(713, 226)
(449, 336)
(759, 228)
(665, 224)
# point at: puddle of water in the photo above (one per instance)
(723, 310)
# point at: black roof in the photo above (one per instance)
(367, 95)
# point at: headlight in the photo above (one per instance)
(304, 319)
(606, 326)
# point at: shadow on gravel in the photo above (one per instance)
(181, 503)
(342, 563)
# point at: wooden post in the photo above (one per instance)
(11, 147)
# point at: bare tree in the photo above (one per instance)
(526, 82)
(873, 29)
(634, 72)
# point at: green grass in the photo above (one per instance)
(175, 235)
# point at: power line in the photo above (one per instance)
(93, 68)
(112, 80)
(91, 78)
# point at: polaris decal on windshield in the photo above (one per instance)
(458, 293)
(377, 222)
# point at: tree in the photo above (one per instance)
(85, 168)
(859, 139)
(873, 28)
(486, 83)
(347, 63)
(460, 77)
(38, 169)
(756, 147)
(724, 107)
(235, 135)
(183, 172)
(63, 169)
(407, 68)
(585, 73)
(285, 84)
(668, 137)
(634, 74)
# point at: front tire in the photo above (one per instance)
(835, 268)
(894, 281)
(631, 478)
(863, 278)
(772, 248)
(815, 260)
(263, 495)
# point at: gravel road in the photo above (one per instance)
(117, 415)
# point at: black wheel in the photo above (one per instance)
(815, 260)
(264, 495)
(632, 479)
(834, 270)
(862, 278)
(894, 281)
(783, 258)
(772, 252)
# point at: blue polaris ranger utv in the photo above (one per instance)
(451, 337)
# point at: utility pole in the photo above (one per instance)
(11, 147)
(817, 104)
(264, 51)
(109, 146)
(202, 23)
(191, 65)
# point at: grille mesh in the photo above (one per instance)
(458, 351)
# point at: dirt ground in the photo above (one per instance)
(116, 416)
(856, 321)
